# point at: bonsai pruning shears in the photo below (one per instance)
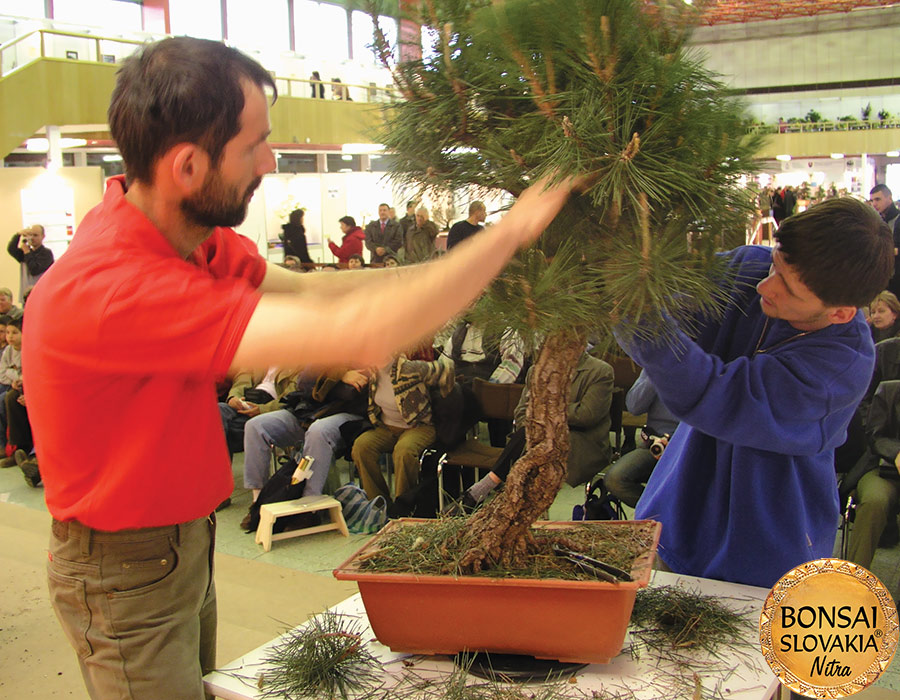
(592, 566)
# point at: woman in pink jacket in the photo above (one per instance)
(352, 242)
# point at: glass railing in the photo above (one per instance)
(810, 127)
(73, 46)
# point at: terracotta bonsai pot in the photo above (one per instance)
(571, 621)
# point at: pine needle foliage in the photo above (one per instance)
(326, 658)
(422, 549)
(608, 90)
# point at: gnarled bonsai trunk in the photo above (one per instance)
(499, 533)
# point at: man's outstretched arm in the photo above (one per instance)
(363, 318)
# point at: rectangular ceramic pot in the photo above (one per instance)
(572, 621)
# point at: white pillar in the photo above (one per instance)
(54, 151)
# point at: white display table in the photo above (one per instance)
(747, 676)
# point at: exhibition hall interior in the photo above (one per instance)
(820, 85)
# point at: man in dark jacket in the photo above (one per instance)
(883, 201)
(383, 235)
(27, 246)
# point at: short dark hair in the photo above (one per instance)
(384, 204)
(180, 89)
(881, 189)
(357, 256)
(349, 220)
(296, 216)
(15, 322)
(842, 250)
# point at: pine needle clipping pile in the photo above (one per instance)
(327, 658)
(672, 618)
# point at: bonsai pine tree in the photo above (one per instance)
(608, 91)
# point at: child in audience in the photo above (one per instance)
(4, 320)
(355, 262)
(10, 376)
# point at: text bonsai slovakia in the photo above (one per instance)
(814, 632)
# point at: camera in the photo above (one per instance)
(654, 442)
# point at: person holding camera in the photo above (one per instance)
(626, 477)
(27, 246)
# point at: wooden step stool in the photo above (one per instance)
(270, 512)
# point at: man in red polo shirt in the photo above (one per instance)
(131, 549)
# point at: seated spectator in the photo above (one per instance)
(884, 317)
(337, 397)
(292, 262)
(294, 237)
(355, 262)
(626, 477)
(10, 373)
(4, 321)
(461, 230)
(590, 396)
(249, 396)
(503, 364)
(351, 243)
(20, 445)
(390, 261)
(400, 411)
(21, 441)
(7, 308)
(877, 489)
(420, 238)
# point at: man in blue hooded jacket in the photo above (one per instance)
(746, 489)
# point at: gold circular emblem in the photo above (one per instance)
(828, 628)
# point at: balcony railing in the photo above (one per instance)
(810, 127)
(73, 46)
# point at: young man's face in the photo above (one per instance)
(229, 185)
(784, 296)
(881, 201)
(14, 337)
(354, 264)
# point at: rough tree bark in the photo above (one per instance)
(499, 533)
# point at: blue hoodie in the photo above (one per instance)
(746, 489)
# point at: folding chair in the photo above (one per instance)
(494, 401)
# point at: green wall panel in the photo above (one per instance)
(63, 92)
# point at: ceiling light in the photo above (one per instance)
(42, 145)
(837, 156)
(346, 157)
(783, 157)
(112, 158)
(362, 148)
(893, 154)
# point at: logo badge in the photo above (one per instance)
(828, 628)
